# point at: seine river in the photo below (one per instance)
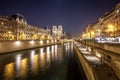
(56, 62)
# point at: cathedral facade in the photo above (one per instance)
(57, 32)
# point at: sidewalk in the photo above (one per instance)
(103, 71)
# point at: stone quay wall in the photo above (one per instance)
(110, 53)
(12, 46)
(88, 69)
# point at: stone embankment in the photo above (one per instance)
(12, 46)
(94, 67)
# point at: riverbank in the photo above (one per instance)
(13, 46)
(94, 68)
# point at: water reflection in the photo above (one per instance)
(24, 68)
(55, 57)
(36, 64)
(42, 59)
(53, 52)
(9, 71)
(48, 55)
(26, 63)
(71, 47)
(68, 48)
(18, 65)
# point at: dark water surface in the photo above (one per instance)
(57, 62)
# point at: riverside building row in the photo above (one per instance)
(17, 28)
(107, 27)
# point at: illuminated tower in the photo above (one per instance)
(60, 31)
(54, 31)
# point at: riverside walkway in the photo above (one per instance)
(102, 70)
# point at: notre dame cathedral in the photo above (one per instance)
(57, 32)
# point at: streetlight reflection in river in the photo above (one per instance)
(35, 65)
(48, 54)
(55, 52)
(24, 68)
(48, 50)
(32, 55)
(47, 41)
(52, 52)
(18, 63)
(42, 59)
(9, 71)
(41, 50)
(32, 59)
(67, 47)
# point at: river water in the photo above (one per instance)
(56, 62)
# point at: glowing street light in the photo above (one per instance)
(111, 28)
(92, 33)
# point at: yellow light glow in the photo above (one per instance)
(9, 71)
(42, 60)
(56, 48)
(35, 65)
(32, 42)
(48, 55)
(55, 40)
(24, 67)
(17, 42)
(41, 42)
(110, 28)
(48, 37)
(43, 37)
(41, 50)
(9, 32)
(52, 50)
(47, 41)
(99, 30)
(52, 41)
(92, 33)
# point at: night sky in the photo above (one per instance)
(73, 15)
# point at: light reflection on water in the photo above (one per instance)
(9, 71)
(48, 55)
(32, 61)
(24, 68)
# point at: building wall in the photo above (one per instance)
(102, 27)
(16, 28)
(110, 54)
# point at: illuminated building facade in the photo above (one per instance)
(108, 25)
(16, 28)
(57, 32)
